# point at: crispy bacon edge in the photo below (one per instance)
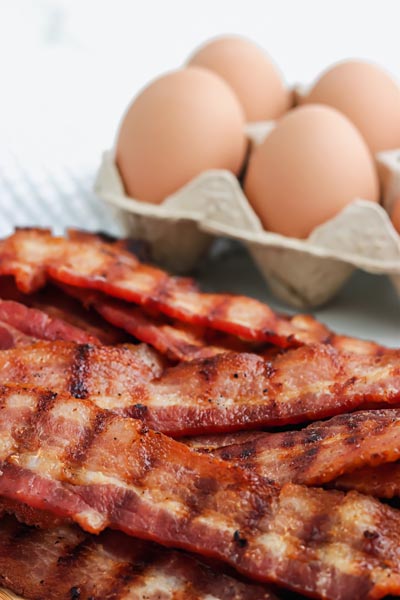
(317, 454)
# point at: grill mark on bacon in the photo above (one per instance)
(136, 480)
(197, 499)
(111, 567)
(77, 454)
(67, 561)
(208, 369)
(223, 393)
(79, 372)
(126, 575)
(26, 437)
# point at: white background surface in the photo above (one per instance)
(70, 67)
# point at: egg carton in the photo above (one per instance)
(303, 273)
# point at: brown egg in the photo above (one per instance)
(250, 73)
(182, 124)
(367, 95)
(396, 215)
(311, 165)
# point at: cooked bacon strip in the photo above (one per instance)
(351, 345)
(29, 253)
(65, 563)
(57, 304)
(13, 338)
(108, 375)
(311, 330)
(85, 261)
(382, 481)
(31, 256)
(34, 324)
(178, 341)
(318, 453)
(68, 457)
(186, 342)
(224, 393)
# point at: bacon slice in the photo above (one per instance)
(186, 342)
(28, 324)
(318, 453)
(13, 338)
(31, 256)
(107, 374)
(351, 345)
(224, 393)
(68, 457)
(85, 261)
(381, 482)
(178, 341)
(67, 563)
(58, 305)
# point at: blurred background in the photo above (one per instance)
(70, 67)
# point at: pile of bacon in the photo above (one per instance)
(235, 454)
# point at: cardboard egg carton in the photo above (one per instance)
(303, 273)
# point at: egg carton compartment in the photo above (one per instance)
(304, 273)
